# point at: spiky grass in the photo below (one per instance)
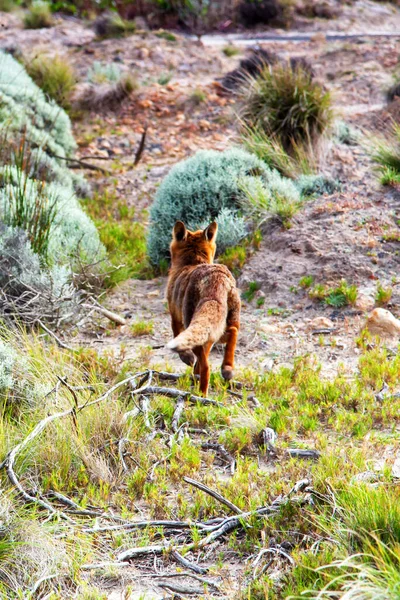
(38, 15)
(386, 155)
(54, 75)
(284, 101)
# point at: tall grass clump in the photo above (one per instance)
(38, 15)
(282, 114)
(54, 76)
(386, 155)
(213, 185)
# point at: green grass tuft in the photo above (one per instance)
(55, 76)
(38, 15)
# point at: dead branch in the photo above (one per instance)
(299, 453)
(175, 393)
(53, 335)
(222, 451)
(225, 526)
(75, 163)
(186, 563)
(181, 589)
(213, 494)
(10, 459)
(179, 408)
(140, 149)
(112, 316)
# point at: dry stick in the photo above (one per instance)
(145, 524)
(180, 407)
(298, 453)
(140, 149)
(175, 393)
(182, 574)
(80, 163)
(227, 525)
(121, 445)
(222, 451)
(186, 563)
(181, 589)
(214, 494)
(53, 335)
(76, 509)
(112, 316)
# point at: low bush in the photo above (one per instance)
(106, 96)
(284, 101)
(112, 25)
(309, 185)
(54, 75)
(38, 15)
(387, 155)
(213, 185)
(104, 73)
(46, 234)
(7, 5)
(253, 64)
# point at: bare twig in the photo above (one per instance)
(179, 408)
(140, 149)
(213, 494)
(175, 393)
(186, 563)
(112, 316)
(222, 451)
(53, 335)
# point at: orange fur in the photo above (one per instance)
(203, 301)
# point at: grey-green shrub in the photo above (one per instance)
(308, 185)
(35, 136)
(208, 186)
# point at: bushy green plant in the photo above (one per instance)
(285, 101)
(38, 15)
(387, 156)
(7, 5)
(112, 25)
(104, 72)
(308, 185)
(54, 75)
(346, 134)
(210, 185)
(45, 232)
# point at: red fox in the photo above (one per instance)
(203, 301)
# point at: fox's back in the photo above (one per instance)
(195, 284)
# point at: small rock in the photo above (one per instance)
(365, 302)
(365, 477)
(320, 323)
(396, 468)
(267, 364)
(381, 322)
(144, 53)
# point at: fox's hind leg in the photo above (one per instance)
(202, 366)
(231, 334)
(186, 356)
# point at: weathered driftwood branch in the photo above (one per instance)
(112, 316)
(222, 451)
(215, 532)
(187, 564)
(175, 393)
(213, 494)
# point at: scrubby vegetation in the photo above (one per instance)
(387, 156)
(68, 462)
(38, 15)
(282, 114)
(38, 207)
(225, 186)
(55, 77)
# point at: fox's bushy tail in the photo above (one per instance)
(207, 325)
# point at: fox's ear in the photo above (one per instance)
(210, 233)
(179, 232)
